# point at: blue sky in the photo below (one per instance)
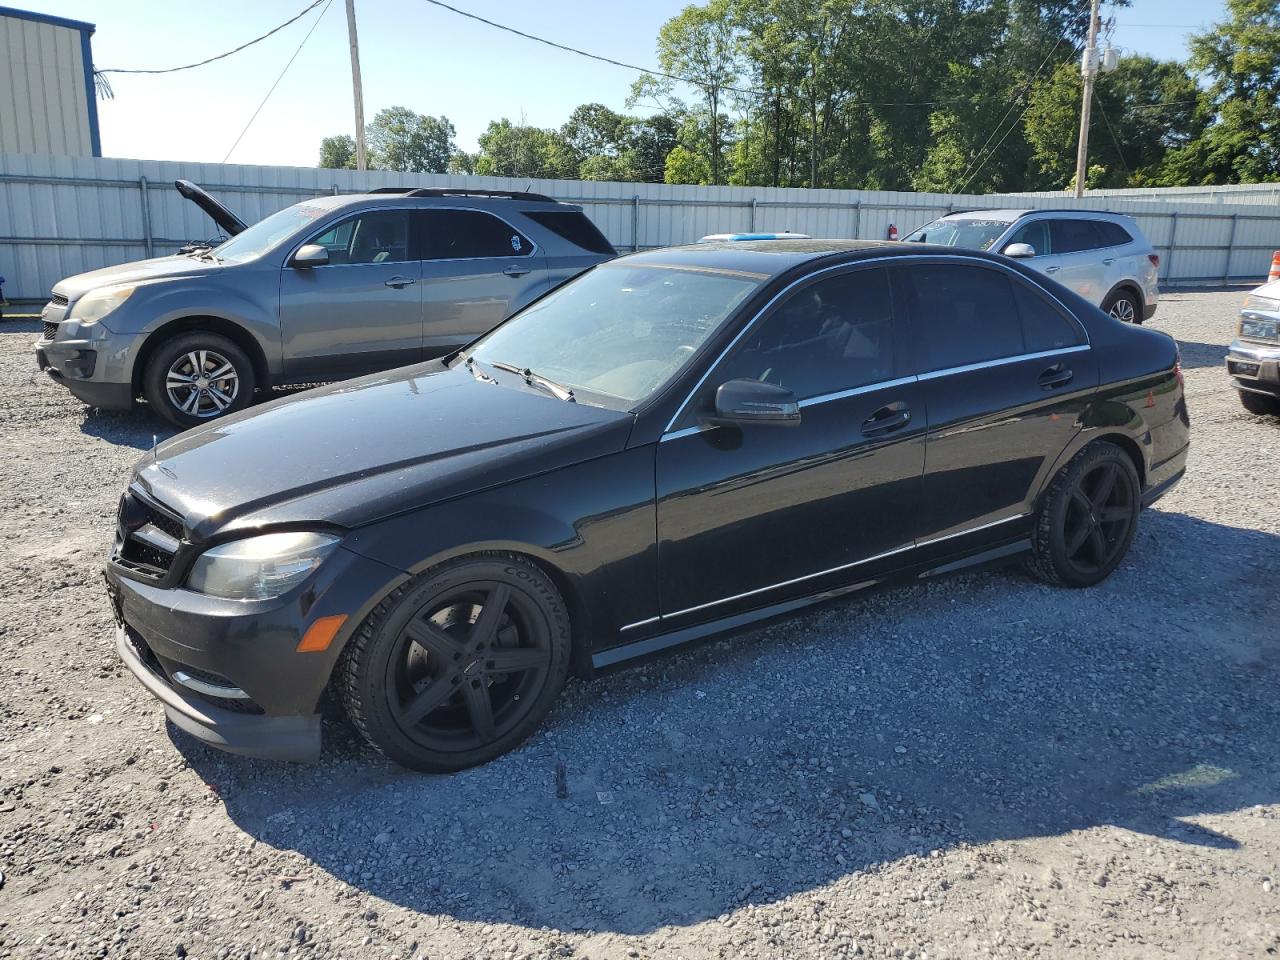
(412, 54)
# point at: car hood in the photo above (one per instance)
(161, 268)
(224, 218)
(359, 451)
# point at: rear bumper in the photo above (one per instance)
(1254, 367)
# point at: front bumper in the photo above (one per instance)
(1254, 367)
(169, 637)
(90, 364)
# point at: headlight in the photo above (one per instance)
(96, 304)
(1258, 328)
(258, 568)
(1266, 304)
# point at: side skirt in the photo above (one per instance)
(738, 622)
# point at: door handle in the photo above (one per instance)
(886, 420)
(1052, 269)
(399, 282)
(516, 271)
(1059, 375)
(1109, 261)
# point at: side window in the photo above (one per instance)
(1035, 233)
(377, 237)
(832, 335)
(470, 234)
(1113, 235)
(1043, 325)
(962, 315)
(1073, 236)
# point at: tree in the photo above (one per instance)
(400, 139)
(685, 166)
(338, 152)
(518, 150)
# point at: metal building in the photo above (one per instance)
(47, 101)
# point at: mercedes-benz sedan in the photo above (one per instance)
(677, 444)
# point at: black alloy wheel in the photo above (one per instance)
(460, 666)
(1088, 517)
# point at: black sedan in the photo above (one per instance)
(676, 444)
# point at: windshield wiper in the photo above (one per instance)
(557, 390)
(470, 363)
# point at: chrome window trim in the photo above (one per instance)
(852, 266)
(856, 391)
(1001, 361)
(822, 573)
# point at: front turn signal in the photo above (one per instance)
(321, 633)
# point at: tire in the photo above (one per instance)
(1124, 306)
(1259, 403)
(422, 677)
(186, 357)
(1087, 518)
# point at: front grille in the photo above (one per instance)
(58, 300)
(50, 330)
(134, 549)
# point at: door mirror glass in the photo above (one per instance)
(755, 401)
(310, 255)
(1020, 251)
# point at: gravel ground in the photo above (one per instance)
(982, 766)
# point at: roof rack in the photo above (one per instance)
(465, 192)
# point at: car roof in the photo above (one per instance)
(1012, 214)
(771, 258)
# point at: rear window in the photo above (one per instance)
(573, 226)
(1073, 236)
(1113, 235)
(963, 314)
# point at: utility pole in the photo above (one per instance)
(1089, 70)
(362, 159)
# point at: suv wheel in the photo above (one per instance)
(1087, 518)
(1259, 403)
(458, 666)
(196, 377)
(1123, 305)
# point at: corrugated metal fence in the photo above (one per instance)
(65, 215)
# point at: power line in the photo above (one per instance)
(222, 56)
(638, 69)
(281, 77)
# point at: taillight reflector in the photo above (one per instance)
(1155, 259)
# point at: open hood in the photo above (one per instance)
(224, 218)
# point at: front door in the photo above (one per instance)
(1005, 375)
(363, 310)
(751, 515)
(477, 271)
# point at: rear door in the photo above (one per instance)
(363, 310)
(1077, 258)
(1005, 373)
(477, 270)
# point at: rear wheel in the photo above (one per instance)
(460, 666)
(1124, 306)
(196, 377)
(1259, 403)
(1087, 519)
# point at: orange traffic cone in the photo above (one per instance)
(1275, 267)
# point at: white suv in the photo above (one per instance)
(1104, 257)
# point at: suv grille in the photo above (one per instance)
(50, 330)
(147, 538)
(58, 300)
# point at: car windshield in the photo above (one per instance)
(620, 331)
(961, 232)
(266, 234)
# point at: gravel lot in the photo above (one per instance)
(982, 766)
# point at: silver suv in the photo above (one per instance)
(327, 289)
(1104, 257)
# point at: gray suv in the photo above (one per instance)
(1104, 257)
(327, 289)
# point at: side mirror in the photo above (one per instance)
(753, 401)
(310, 255)
(1020, 251)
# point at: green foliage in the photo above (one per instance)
(518, 150)
(399, 139)
(338, 152)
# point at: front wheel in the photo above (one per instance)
(1087, 518)
(196, 377)
(459, 666)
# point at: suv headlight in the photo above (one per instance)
(96, 304)
(258, 568)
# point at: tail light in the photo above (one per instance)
(1177, 369)
(1155, 259)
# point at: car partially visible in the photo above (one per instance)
(1104, 257)
(740, 237)
(1253, 359)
